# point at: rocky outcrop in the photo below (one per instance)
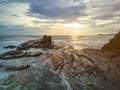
(10, 46)
(45, 42)
(113, 45)
(82, 70)
(18, 54)
(17, 68)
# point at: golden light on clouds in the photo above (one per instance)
(74, 25)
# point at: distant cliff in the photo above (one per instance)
(113, 45)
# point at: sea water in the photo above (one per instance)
(93, 41)
(40, 77)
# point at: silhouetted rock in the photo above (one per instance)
(18, 54)
(45, 42)
(113, 45)
(18, 68)
(10, 46)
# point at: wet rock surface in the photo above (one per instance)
(10, 46)
(17, 68)
(19, 54)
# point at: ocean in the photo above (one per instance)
(40, 76)
(93, 41)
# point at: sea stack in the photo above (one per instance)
(113, 45)
(45, 42)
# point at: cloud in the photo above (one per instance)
(50, 16)
(18, 30)
(57, 8)
(105, 10)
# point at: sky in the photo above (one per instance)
(59, 17)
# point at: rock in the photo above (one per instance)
(35, 54)
(1, 65)
(27, 45)
(18, 54)
(82, 70)
(113, 45)
(18, 68)
(75, 57)
(12, 52)
(10, 46)
(45, 42)
(89, 84)
(57, 63)
(1, 56)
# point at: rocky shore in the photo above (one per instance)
(87, 69)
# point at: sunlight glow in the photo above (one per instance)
(74, 25)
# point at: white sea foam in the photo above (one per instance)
(65, 82)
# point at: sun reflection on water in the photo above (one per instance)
(75, 40)
(74, 37)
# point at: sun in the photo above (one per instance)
(75, 28)
(74, 25)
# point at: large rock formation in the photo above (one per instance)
(84, 69)
(113, 45)
(45, 42)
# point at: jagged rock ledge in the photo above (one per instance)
(88, 68)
